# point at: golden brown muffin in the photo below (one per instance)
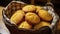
(29, 8)
(42, 24)
(25, 25)
(38, 8)
(17, 16)
(32, 18)
(45, 15)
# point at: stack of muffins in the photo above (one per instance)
(31, 17)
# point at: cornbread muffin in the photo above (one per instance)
(25, 25)
(45, 15)
(17, 16)
(42, 24)
(38, 8)
(32, 18)
(29, 8)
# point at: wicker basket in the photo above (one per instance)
(16, 5)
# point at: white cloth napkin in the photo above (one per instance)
(3, 28)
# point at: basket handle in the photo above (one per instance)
(49, 3)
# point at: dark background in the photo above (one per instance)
(55, 2)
